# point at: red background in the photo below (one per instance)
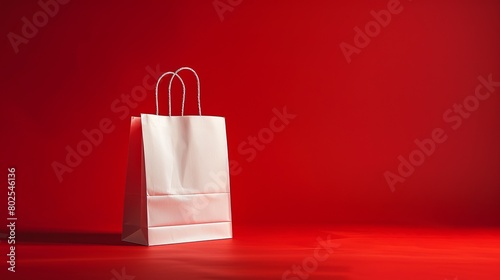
(352, 121)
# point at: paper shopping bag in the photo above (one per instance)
(177, 185)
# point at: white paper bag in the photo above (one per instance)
(177, 187)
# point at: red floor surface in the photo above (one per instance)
(269, 253)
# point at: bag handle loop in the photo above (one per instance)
(174, 74)
(184, 95)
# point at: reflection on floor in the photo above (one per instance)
(295, 253)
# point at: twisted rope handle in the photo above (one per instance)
(184, 95)
(174, 74)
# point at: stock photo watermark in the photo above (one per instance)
(373, 28)
(92, 138)
(223, 6)
(310, 264)
(121, 275)
(11, 219)
(30, 26)
(254, 144)
(454, 118)
(248, 148)
(219, 183)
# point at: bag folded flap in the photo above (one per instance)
(170, 210)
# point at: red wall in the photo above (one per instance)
(352, 120)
